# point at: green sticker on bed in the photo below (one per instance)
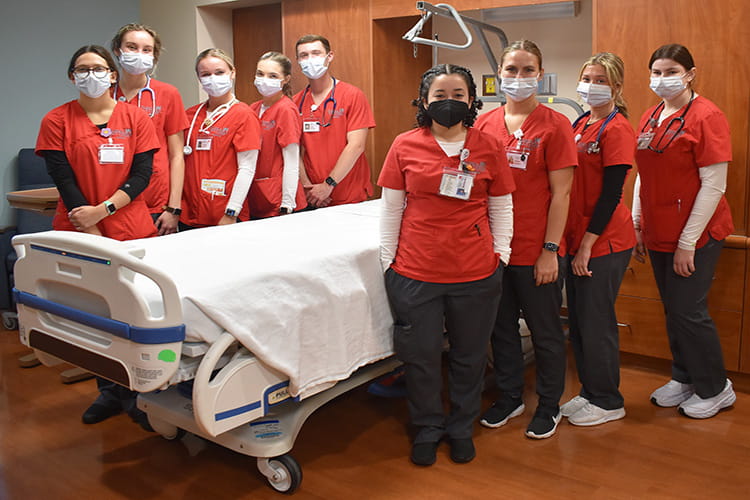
(168, 355)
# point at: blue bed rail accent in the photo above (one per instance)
(136, 334)
(72, 255)
(237, 411)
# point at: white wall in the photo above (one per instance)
(565, 43)
(37, 39)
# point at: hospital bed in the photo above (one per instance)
(235, 333)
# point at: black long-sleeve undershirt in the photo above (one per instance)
(612, 183)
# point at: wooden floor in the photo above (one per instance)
(356, 447)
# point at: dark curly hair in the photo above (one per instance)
(423, 120)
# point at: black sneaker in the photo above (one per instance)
(462, 450)
(544, 423)
(503, 410)
(424, 453)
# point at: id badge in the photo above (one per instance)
(644, 140)
(215, 187)
(456, 183)
(111, 153)
(310, 127)
(203, 144)
(517, 158)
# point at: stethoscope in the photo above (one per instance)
(148, 89)
(332, 99)
(593, 147)
(210, 120)
(651, 122)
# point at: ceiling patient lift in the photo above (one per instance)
(479, 28)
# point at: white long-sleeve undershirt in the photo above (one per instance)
(290, 177)
(246, 163)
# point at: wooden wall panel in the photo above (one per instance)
(256, 31)
(396, 77)
(717, 34)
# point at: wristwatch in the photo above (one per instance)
(171, 210)
(552, 247)
(230, 212)
(110, 207)
(330, 181)
(285, 210)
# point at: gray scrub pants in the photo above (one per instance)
(696, 352)
(593, 328)
(541, 311)
(422, 311)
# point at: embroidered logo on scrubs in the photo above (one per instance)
(268, 124)
(339, 112)
(121, 133)
(528, 144)
(148, 109)
(218, 131)
(473, 166)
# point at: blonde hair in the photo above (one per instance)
(526, 45)
(214, 52)
(615, 70)
(117, 39)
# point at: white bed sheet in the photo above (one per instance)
(304, 292)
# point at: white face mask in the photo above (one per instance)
(667, 87)
(92, 86)
(136, 63)
(594, 94)
(519, 89)
(217, 85)
(267, 86)
(314, 67)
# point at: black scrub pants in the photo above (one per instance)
(541, 311)
(593, 328)
(422, 311)
(696, 352)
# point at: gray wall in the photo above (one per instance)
(37, 39)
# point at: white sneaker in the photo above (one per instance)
(672, 394)
(697, 407)
(573, 406)
(591, 414)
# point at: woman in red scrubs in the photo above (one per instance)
(276, 188)
(445, 234)
(137, 48)
(541, 153)
(99, 152)
(682, 218)
(221, 148)
(600, 240)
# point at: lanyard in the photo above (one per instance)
(211, 119)
(148, 89)
(331, 99)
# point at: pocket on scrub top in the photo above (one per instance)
(265, 195)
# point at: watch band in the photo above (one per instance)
(331, 182)
(230, 212)
(171, 210)
(110, 207)
(285, 210)
(551, 246)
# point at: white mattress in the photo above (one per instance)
(303, 292)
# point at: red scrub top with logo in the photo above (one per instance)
(323, 148)
(670, 180)
(444, 239)
(169, 118)
(280, 126)
(548, 142)
(237, 131)
(616, 147)
(67, 128)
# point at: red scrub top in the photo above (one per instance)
(548, 142)
(444, 239)
(237, 131)
(323, 148)
(616, 147)
(670, 180)
(280, 126)
(67, 128)
(169, 118)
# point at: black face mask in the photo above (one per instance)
(448, 112)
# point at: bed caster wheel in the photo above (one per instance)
(10, 323)
(283, 473)
(166, 430)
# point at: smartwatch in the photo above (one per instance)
(230, 212)
(110, 207)
(552, 247)
(285, 210)
(330, 181)
(171, 210)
